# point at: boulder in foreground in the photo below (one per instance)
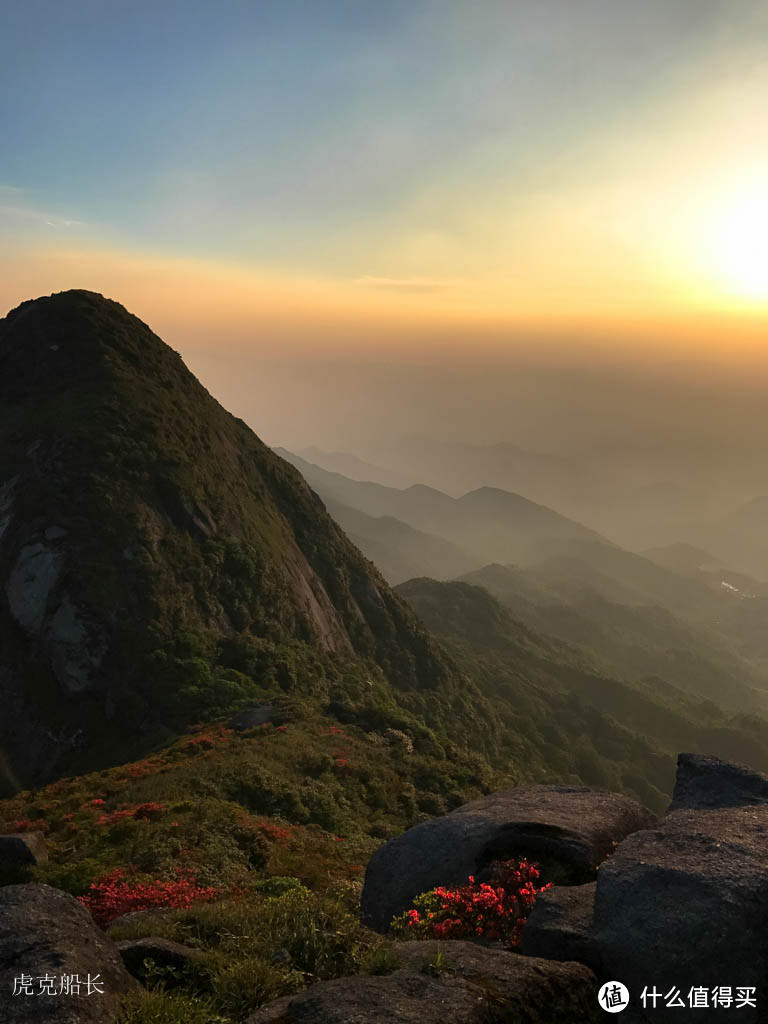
(560, 926)
(47, 936)
(705, 782)
(447, 983)
(684, 905)
(568, 829)
(22, 848)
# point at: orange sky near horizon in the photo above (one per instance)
(196, 304)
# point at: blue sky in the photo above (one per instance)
(293, 133)
(318, 201)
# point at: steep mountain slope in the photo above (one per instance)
(157, 561)
(488, 524)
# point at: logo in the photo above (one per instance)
(613, 997)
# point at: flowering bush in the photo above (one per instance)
(149, 811)
(495, 911)
(274, 832)
(114, 894)
(25, 825)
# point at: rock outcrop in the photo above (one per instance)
(173, 958)
(706, 782)
(249, 718)
(561, 925)
(22, 848)
(568, 829)
(56, 966)
(447, 983)
(684, 905)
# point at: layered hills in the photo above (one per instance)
(487, 524)
(675, 614)
(161, 567)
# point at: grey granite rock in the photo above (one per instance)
(570, 829)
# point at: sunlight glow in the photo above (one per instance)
(739, 241)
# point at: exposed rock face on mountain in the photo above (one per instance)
(472, 985)
(569, 829)
(47, 936)
(157, 561)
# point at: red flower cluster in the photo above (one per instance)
(145, 812)
(341, 762)
(274, 832)
(113, 895)
(149, 766)
(149, 810)
(25, 825)
(496, 911)
(115, 816)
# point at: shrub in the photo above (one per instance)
(113, 895)
(495, 911)
(240, 988)
(160, 1008)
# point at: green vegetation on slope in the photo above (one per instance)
(573, 717)
(280, 819)
(178, 567)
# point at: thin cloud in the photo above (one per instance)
(410, 284)
(16, 207)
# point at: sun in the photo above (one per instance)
(739, 246)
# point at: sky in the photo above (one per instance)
(501, 220)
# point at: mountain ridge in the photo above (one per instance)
(159, 562)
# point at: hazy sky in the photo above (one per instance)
(459, 212)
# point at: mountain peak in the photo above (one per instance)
(157, 560)
(74, 338)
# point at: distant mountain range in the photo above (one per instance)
(674, 614)
(486, 525)
(354, 467)
(160, 566)
(741, 538)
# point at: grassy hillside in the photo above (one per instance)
(275, 824)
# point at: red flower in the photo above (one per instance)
(496, 911)
(113, 895)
